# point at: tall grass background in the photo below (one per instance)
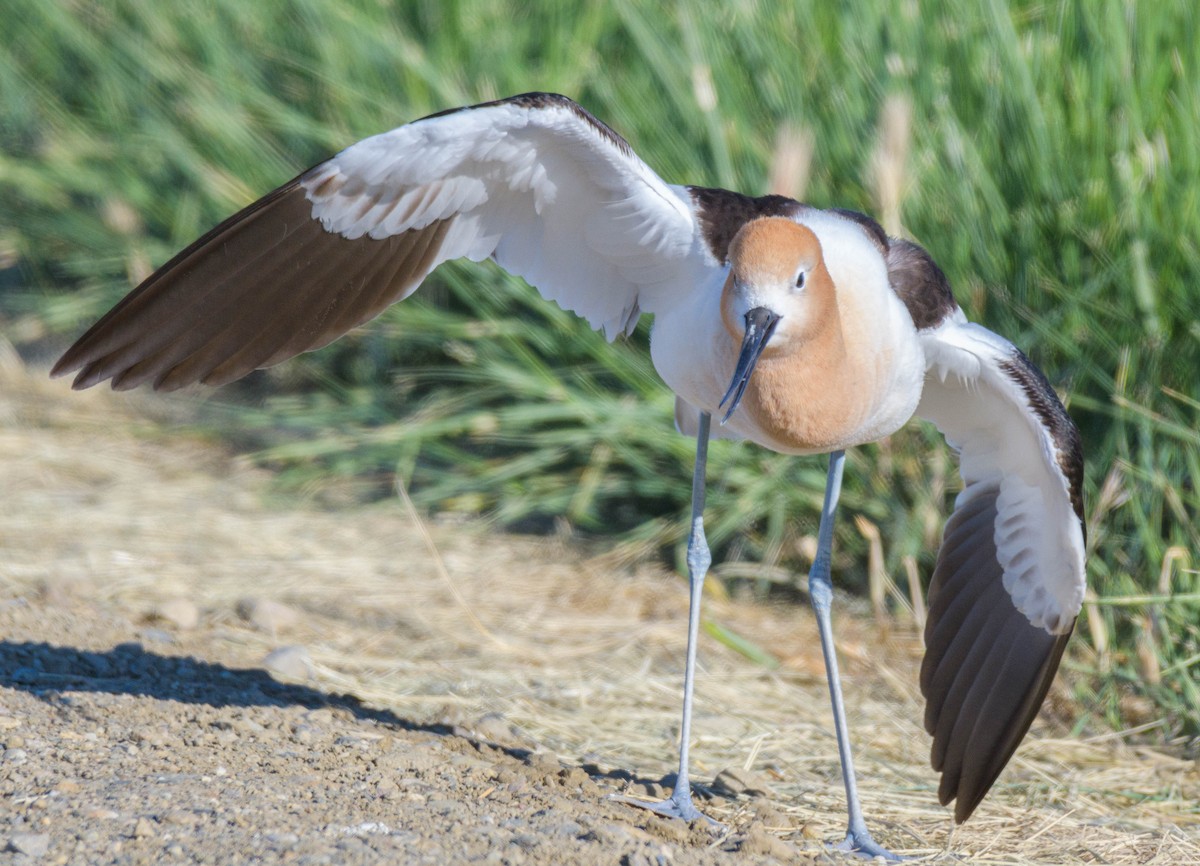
(1048, 155)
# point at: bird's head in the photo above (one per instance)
(776, 297)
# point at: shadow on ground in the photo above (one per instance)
(47, 671)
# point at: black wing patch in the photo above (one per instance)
(920, 283)
(722, 213)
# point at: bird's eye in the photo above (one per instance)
(800, 280)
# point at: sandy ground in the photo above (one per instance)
(193, 670)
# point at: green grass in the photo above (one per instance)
(1053, 172)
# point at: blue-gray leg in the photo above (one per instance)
(699, 558)
(820, 589)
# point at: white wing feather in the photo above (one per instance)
(1003, 443)
(549, 193)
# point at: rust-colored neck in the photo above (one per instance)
(808, 394)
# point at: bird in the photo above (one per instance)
(804, 330)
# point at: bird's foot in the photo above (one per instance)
(678, 805)
(860, 842)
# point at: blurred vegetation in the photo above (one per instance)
(1045, 153)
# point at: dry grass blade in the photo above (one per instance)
(440, 565)
(890, 160)
(915, 593)
(1097, 630)
(791, 162)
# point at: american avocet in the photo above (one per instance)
(811, 330)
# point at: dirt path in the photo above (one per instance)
(191, 672)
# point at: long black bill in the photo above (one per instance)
(760, 325)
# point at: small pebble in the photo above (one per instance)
(179, 612)
(248, 726)
(30, 844)
(148, 737)
(756, 840)
(179, 817)
(143, 828)
(267, 615)
(292, 662)
(525, 840)
(497, 729)
(653, 790)
(157, 635)
(735, 780)
(303, 733)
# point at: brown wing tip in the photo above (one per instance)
(267, 284)
(95, 354)
(68, 363)
(965, 806)
(987, 669)
(966, 799)
(974, 786)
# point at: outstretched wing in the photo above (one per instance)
(535, 182)
(1009, 580)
